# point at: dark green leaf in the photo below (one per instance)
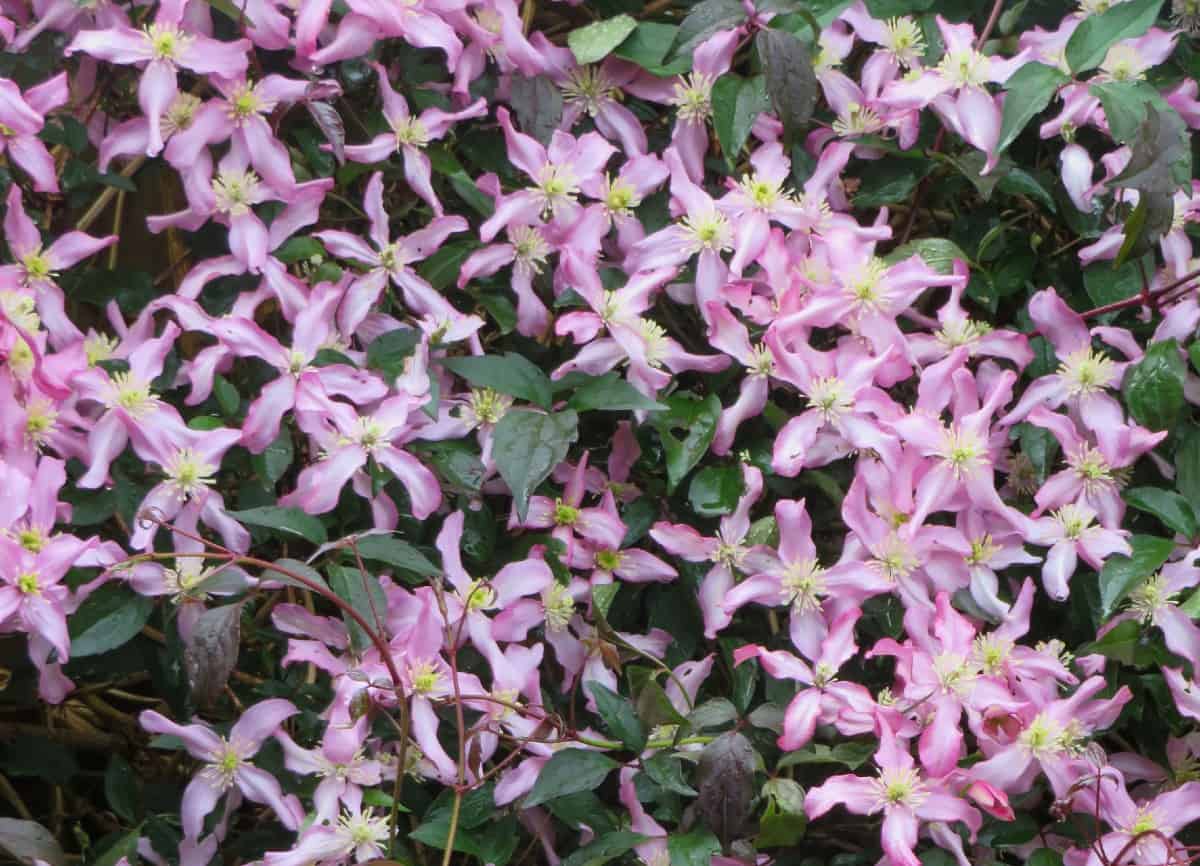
(715, 490)
(714, 713)
(667, 771)
(388, 352)
(1096, 33)
(1122, 573)
(457, 462)
(1169, 507)
(299, 249)
(736, 104)
(1030, 90)
(110, 617)
(538, 104)
(611, 393)
(938, 253)
(273, 462)
(593, 43)
(693, 848)
(647, 47)
(441, 269)
(1106, 284)
(122, 789)
(697, 419)
(527, 445)
(289, 521)
(363, 593)
(887, 181)
(725, 782)
(1187, 464)
(852, 755)
(1153, 387)
(790, 78)
(783, 822)
(703, 20)
(619, 717)
(568, 772)
(294, 566)
(510, 374)
(604, 848)
(1125, 104)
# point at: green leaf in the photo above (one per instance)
(1187, 464)
(456, 461)
(790, 78)
(736, 104)
(1119, 643)
(1045, 857)
(697, 419)
(299, 249)
(1169, 507)
(619, 717)
(1020, 182)
(666, 771)
(852, 755)
(569, 772)
(714, 490)
(647, 47)
(1153, 387)
(289, 521)
(527, 445)
(593, 43)
(1096, 33)
(696, 847)
(783, 822)
(363, 593)
(714, 713)
(110, 617)
(887, 181)
(702, 21)
(276, 459)
(388, 352)
(938, 253)
(604, 848)
(510, 374)
(121, 789)
(1125, 104)
(441, 269)
(611, 393)
(1030, 90)
(538, 104)
(1106, 284)
(395, 552)
(1121, 574)
(297, 567)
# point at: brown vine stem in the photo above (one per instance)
(1149, 299)
(97, 208)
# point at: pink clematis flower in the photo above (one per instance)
(38, 265)
(1071, 532)
(390, 259)
(227, 768)
(726, 551)
(410, 134)
(847, 706)
(559, 172)
(349, 440)
(901, 793)
(161, 49)
(21, 119)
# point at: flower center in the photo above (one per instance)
(21, 310)
(236, 191)
(479, 596)
(41, 418)
(763, 193)
(564, 514)
(955, 673)
(962, 332)
(223, 770)
(904, 39)
(693, 97)
(1086, 371)
(558, 607)
(1124, 63)
(244, 103)
(131, 393)
(189, 473)
(1073, 520)
(900, 787)
(28, 583)
(728, 553)
(410, 132)
(530, 247)
(828, 396)
(36, 265)
(1153, 594)
(425, 676)
(654, 340)
(557, 187)
(180, 113)
(608, 560)
(865, 287)
(966, 68)
(982, 550)
(709, 232)
(370, 434)
(803, 586)
(589, 87)
(1090, 465)
(894, 558)
(489, 406)
(963, 452)
(991, 653)
(620, 198)
(364, 828)
(857, 119)
(31, 538)
(166, 41)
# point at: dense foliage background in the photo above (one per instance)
(486, 431)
